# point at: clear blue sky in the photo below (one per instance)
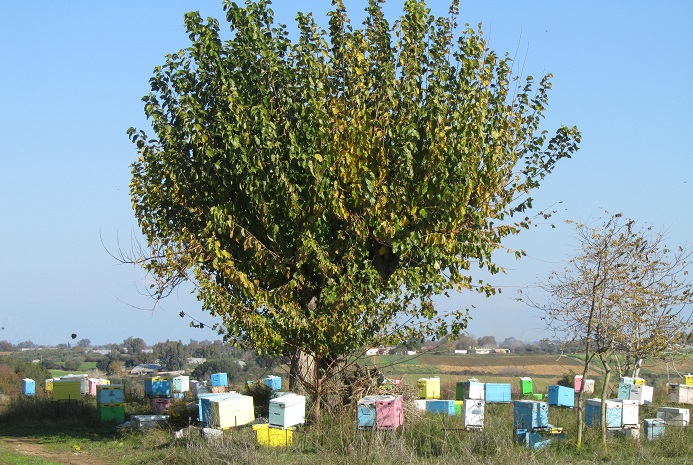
(73, 74)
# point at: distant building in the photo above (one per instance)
(145, 369)
(460, 351)
(481, 350)
(195, 360)
(411, 352)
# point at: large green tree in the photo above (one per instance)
(320, 191)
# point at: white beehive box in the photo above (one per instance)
(287, 411)
(642, 393)
(589, 386)
(233, 411)
(631, 412)
(680, 394)
(420, 404)
(674, 416)
(473, 413)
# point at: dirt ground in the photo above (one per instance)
(33, 448)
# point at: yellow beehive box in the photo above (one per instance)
(49, 385)
(689, 380)
(639, 382)
(67, 390)
(429, 388)
(273, 437)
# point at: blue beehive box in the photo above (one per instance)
(530, 414)
(274, 382)
(28, 387)
(440, 406)
(109, 394)
(219, 379)
(498, 392)
(624, 390)
(654, 427)
(365, 413)
(539, 438)
(157, 387)
(561, 396)
(614, 413)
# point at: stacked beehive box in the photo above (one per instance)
(179, 386)
(526, 386)
(110, 403)
(674, 416)
(219, 382)
(158, 389)
(531, 424)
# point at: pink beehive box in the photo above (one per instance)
(389, 413)
(160, 405)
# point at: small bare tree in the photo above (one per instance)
(624, 294)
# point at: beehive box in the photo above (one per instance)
(561, 396)
(83, 381)
(389, 413)
(498, 393)
(180, 383)
(654, 427)
(589, 386)
(642, 393)
(273, 437)
(680, 394)
(157, 387)
(28, 387)
(526, 386)
(148, 421)
(365, 412)
(92, 384)
(577, 383)
(204, 406)
(428, 388)
(627, 380)
(458, 407)
(64, 389)
(219, 379)
(614, 413)
(111, 412)
(688, 380)
(48, 385)
(639, 382)
(440, 406)
(538, 439)
(624, 390)
(473, 413)
(274, 382)
(631, 413)
(420, 404)
(109, 394)
(287, 411)
(160, 405)
(232, 411)
(674, 416)
(470, 389)
(530, 415)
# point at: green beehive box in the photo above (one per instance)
(458, 407)
(67, 390)
(112, 412)
(526, 385)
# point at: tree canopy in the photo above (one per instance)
(320, 191)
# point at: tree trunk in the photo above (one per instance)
(605, 387)
(580, 399)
